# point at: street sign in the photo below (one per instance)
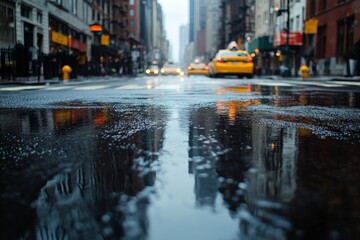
(311, 26)
(105, 40)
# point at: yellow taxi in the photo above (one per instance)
(197, 68)
(170, 69)
(152, 70)
(232, 61)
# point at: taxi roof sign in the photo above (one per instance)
(233, 46)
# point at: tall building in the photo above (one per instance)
(212, 28)
(118, 25)
(184, 41)
(134, 24)
(197, 26)
(261, 44)
(192, 20)
(146, 29)
(294, 22)
(237, 21)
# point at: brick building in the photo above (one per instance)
(337, 33)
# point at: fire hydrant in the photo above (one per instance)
(66, 70)
(304, 71)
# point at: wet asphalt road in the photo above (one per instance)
(180, 158)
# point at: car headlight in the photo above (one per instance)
(156, 71)
(178, 70)
(162, 70)
(147, 71)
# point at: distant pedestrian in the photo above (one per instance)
(314, 68)
(34, 54)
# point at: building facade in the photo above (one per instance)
(212, 28)
(337, 38)
(7, 24)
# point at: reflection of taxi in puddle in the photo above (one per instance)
(152, 70)
(197, 68)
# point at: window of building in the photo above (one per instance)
(340, 39)
(132, 24)
(131, 13)
(131, 2)
(345, 36)
(321, 42)
(323, 4)
(297, 26)
(312, 8)
(39, 17)
(7, 12)
(303, 14)
(73, 6)
(25, 11)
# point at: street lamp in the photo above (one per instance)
(287, 47)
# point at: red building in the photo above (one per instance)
(338, 34)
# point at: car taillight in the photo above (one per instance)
(249, 60)
(221, 60)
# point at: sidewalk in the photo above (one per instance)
(312, 78)
(42, 81)
(28, 81)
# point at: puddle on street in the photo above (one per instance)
(258, 169)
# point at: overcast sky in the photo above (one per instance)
(176, 14)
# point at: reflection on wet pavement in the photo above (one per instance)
(284, 167)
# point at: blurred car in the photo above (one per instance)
(232, 61)
(152, 70)
(170, 69)
(197, 68)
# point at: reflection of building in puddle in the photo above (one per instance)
(93, 180)
(270, 180)
(274, 158)
(202, 155)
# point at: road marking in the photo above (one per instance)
(21, 88)
(348, 83)
(131, 87)
(91, 87)
(168, 87)
(58, 88)
(271, 84)
(319, 84)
